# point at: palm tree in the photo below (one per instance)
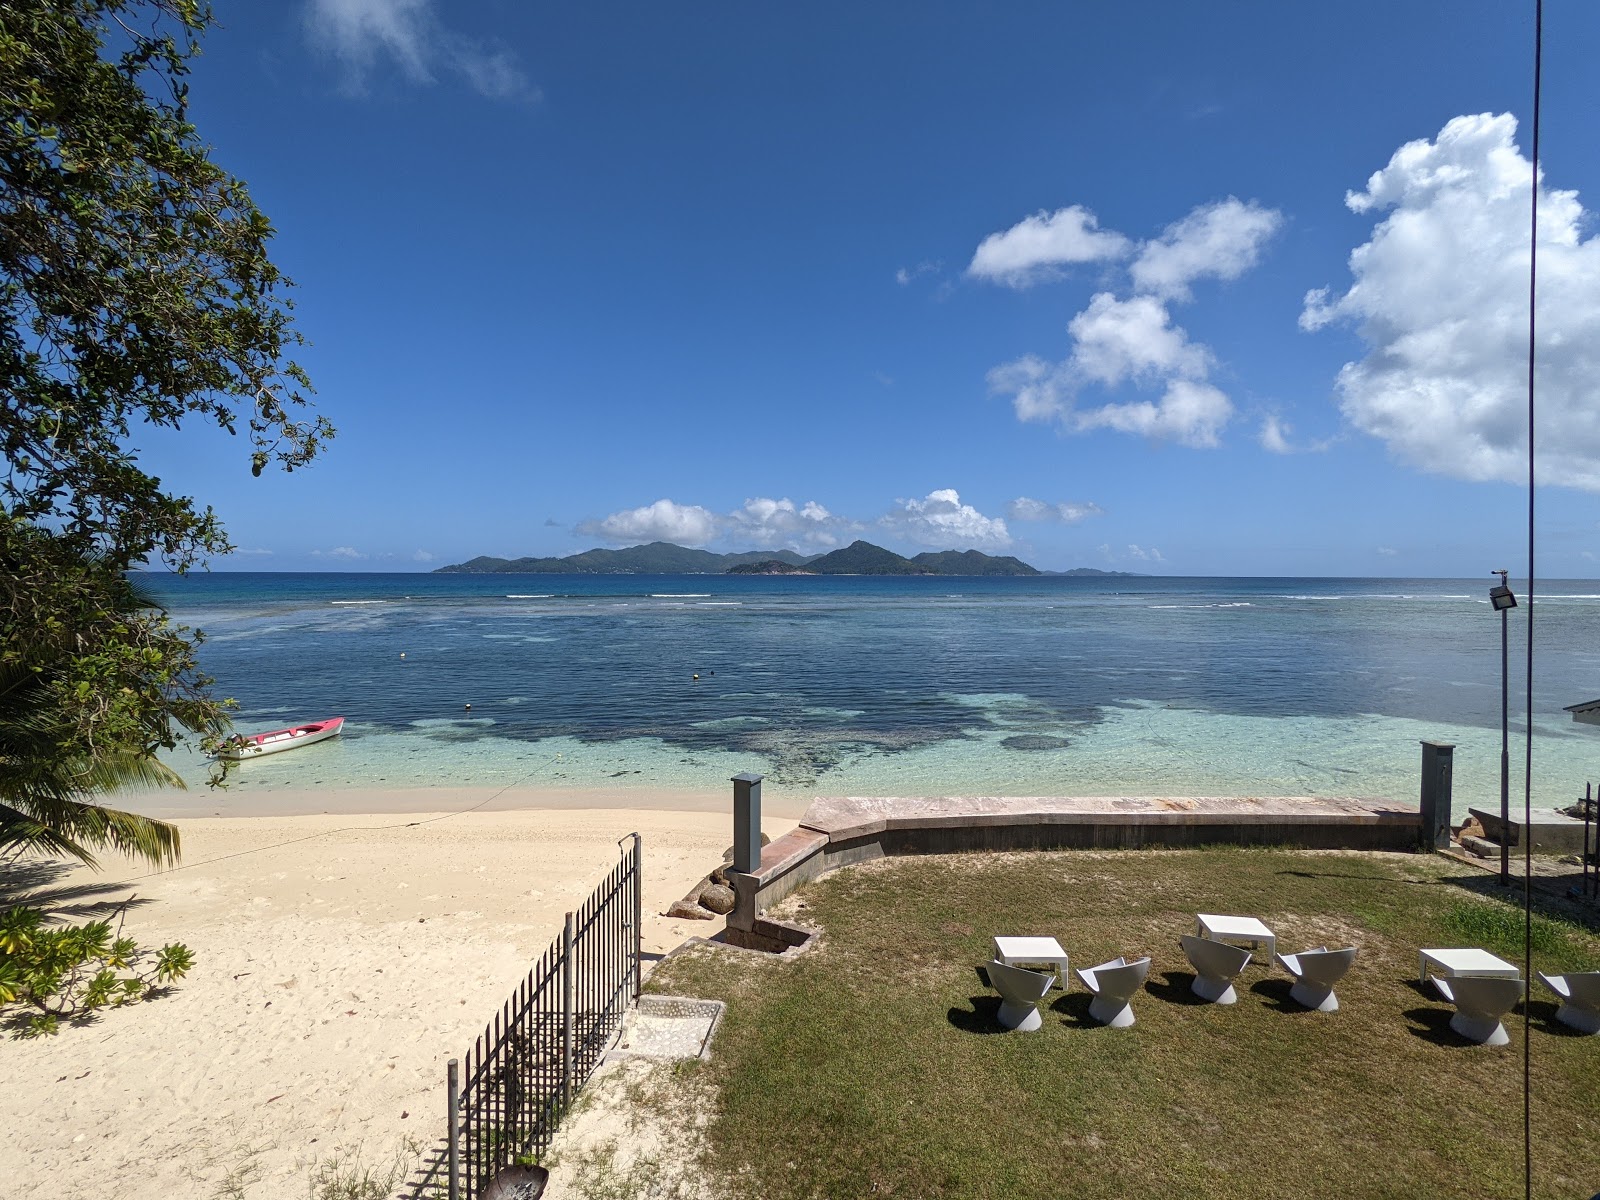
(49, 803)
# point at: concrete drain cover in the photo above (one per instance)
(668, 1027)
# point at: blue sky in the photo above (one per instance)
(1029, 278)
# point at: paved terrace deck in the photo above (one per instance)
(838, 830)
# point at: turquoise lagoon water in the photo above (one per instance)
(880, 686)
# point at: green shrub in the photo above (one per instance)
(47, 973)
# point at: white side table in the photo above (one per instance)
(1465, 962)
(1222, 928)
(1032, 952)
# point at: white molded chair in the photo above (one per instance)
(1216, 965)
(1113, 984)
(1580, 999)
(1315, 972)
(1020, 992)
(1480, 1006)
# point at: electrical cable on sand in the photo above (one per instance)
(206, 862)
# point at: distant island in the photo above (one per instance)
(663, 558)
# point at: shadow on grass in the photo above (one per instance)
(1275, 994)
(1175, 987)
(984, 1016)
(1543, 1016)
(1433, 1025)
(1301, 873)
(1074, 1010)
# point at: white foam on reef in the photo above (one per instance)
(1137, 749)
(529, 596)
(679, 595)
(732, 723)
(358, 602)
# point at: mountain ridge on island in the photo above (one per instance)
(665, 558)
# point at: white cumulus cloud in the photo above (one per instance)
(663, 521)
(1219, 241)
(1023, 508)
(1118, 340)
(1130, 340)
(1439, 296)
(1038, 247)
(941, 521)
(905, 275)
(1039, 390)
(1189, 412)
(360, 33)
(1275, 435)
(347, 553)
(773, 524)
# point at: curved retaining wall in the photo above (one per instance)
(838, 831)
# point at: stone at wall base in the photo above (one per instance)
(685, 910)
(717, 898)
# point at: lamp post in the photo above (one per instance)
(1503, 600)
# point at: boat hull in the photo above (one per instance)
(256, 745)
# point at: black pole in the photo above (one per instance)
(1588, 790)
(1527, 770)
(1505, 759)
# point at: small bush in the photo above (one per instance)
(74, 970)
(346, 1177)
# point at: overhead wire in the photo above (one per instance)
(1527, 774)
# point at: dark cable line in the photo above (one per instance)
(206, 862)
(1527, 774)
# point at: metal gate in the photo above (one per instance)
(522, 1074)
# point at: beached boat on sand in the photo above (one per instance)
(254, 745)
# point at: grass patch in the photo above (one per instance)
(872, 1064)
(346, 1177)
(1496, 926)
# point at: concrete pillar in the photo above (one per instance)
(747, 822)
(1436, 767)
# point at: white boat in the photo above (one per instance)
(254, 745)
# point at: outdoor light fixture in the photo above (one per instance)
(1503, 600)
(1500, 595)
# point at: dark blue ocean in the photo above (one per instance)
(862, 685)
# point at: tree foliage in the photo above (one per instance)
(135, 293)
(73, 971)
(122, 681)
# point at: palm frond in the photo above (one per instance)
(20, 833)
(83, 827)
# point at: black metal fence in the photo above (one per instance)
(522, 1074)
(1591, 845)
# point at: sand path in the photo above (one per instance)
(334, 978)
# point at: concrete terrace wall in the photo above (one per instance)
(838, 831)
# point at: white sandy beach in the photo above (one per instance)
(334, 977)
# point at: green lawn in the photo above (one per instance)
(871, 1065)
